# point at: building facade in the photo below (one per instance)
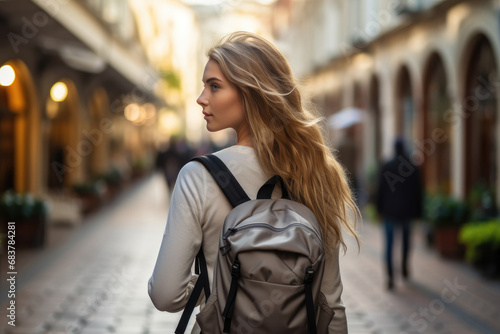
(426, 70)
(68, 71)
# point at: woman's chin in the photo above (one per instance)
(212, 128)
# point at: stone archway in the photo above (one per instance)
(406, 115)
(375, 120)
(373, 139)
(96, 134)
(481, 108)
(65, 155)
(436, 103)
(19, 132)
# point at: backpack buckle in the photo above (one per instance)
(235, 271)
(225, 249)
(228, 233)
(309, 275)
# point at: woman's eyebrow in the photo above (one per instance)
(212, 79)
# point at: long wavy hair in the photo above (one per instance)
(286, 135)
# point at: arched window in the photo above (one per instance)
(19, 128)
(480, 104)
(65, 154)
(375, 117)
(98, 111)
(437, 164)
(406, 125)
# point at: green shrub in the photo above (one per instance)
(142, 164)
(113, 176)
(97, 187)
(481, 239)
(482, 201)
(442, 211)
(21, 206)
(370, 212)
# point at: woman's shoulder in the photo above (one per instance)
(236, 150)
(231, 153)
(234, 157)
(237, 156)
(192, 170)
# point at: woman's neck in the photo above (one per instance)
(243, 137)
(244, 143)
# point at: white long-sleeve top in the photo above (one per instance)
(197, 211)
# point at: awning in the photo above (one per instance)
(345, 118)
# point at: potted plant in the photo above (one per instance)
(30, 217)
(482, 201)
(91, 193)
(446, 214)
(114, 180)
(141, 166)
(482, 241)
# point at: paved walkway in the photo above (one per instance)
(442, 296)
(96, 281)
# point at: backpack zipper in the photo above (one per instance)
(231, 231)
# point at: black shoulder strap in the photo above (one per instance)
(201, 284)
(311, 316)
(266, 191)
(235, 195)
(224, 178)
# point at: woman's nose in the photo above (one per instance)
(201, 100)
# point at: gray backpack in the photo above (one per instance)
(269, 266)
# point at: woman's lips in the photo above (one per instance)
(207, 115)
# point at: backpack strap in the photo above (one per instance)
(266, 190)
(235, 195)
(311, 317)
(224, 178)
(201, 270)
(231, 297)
(202, 283)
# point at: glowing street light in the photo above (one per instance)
(59, 91)
(7, 75)
(132, 112)
(150, 110)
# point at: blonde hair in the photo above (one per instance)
(287, 138)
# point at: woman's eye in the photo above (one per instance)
(214, 87)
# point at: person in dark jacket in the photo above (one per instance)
(399, 201)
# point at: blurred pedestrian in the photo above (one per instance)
(176, 156)
(399, 201)
(161, 162)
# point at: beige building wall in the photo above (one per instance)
(168, 32)
(388, 42)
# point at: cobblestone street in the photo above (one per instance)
(95, 281)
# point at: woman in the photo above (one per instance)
(249, 87)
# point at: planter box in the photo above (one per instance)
(90, 203)
(91, 195)
(446, 242)
(114, 190)
(30, 232)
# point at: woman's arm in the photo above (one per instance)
(332, 288)
(172, 281)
